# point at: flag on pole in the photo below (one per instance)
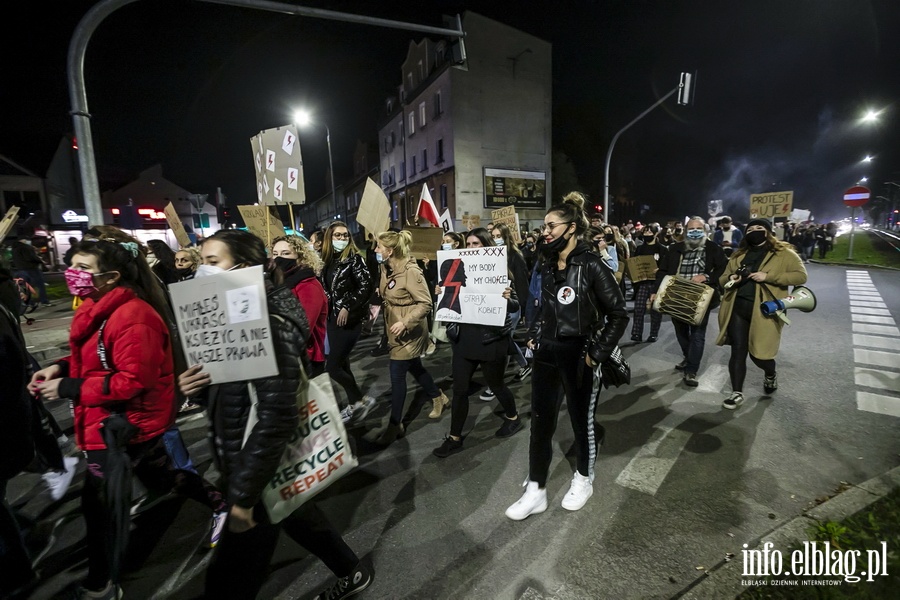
(427, 210)
(447, 220)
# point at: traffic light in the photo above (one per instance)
(598, 208)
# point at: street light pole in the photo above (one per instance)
(334, 199)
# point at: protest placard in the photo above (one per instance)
(472, 283)
(470, 222)
(771, 205)
(9, 219)
(256, 221)
(798, 215)
(278, 166)
(177, 226)
(507, 215)
(426, 242)
(374, 209)
(223, 323)
(641, 268)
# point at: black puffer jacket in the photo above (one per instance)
(246, 469)
(349, 284)
(594, 307)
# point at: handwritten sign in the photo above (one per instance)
(472, 283)
(374, 209)
(223, 323)
(426, 242)
(278, 166)
(771, 205)
(470, 222)
(507, 215)
(9, 219)
(177, 226)
(641, 268)
(266, 229)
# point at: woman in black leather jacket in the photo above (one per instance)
(582, 318)
(349, 285)
(241, 559)
(475, 345)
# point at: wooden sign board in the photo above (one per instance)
(641, 268)
(177, 226)
(374, 209)
(426, 242)
(9, 219)
(508, 216)
(470, 222)
(771, 205)
(263, 227)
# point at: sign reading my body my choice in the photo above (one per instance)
(472, 283)
(223, 323)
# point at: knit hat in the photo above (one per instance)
(764, 222)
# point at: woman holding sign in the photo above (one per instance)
(582, 318)
(348, 283)
(239, 566)
(480, 345)
(407, 303)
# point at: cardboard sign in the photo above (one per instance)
(177, 226)
(9, 219)
(426, 242)
(223, 323)
(472, 283)
(374, 209)
(470, 222)
(798, 215)
(771, 205)
(256, 221)
(278, 166)
(641, 268)
(508, 216)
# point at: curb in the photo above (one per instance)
(724, 580)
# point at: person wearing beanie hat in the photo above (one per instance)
(760, 269)
(695, 258)
(727, 236)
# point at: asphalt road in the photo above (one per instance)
(680, 483)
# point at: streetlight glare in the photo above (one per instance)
(302, 118)
(863, 180)
(868, 158)
(871, 115)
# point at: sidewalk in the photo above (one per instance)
(47, 339)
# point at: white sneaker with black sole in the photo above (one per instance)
(733, 401)
(523, 373)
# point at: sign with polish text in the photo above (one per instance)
(472, 283)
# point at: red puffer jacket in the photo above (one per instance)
(139, 352)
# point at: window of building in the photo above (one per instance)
(412, 166)
(438, 107)
(409, 80)
(384, 178)
(422, 114)
(390, 106)
(443, 196)
(421, 71)
(392, 175)
(402, 170)
(425, 159)
(440, 151)
(387, 145)
(412, 123)
(393, 140)
(395, 214)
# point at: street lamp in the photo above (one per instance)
(863, 180)
(871, 116)
(868, 158)
(302, 118)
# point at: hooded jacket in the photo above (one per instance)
(587, 303)
(247, 468)
(140, 379)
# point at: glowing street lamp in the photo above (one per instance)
(868, 158)
(863, 180)
(871, 116)
(303, 118)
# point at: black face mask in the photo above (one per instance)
(755, 238)
(677, 232)
(285, 264)
(184, 272)
(609, 238)
(553, 248)
(649, 239)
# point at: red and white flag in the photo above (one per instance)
(427, 210)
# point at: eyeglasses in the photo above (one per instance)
(551, 226)
(340, 236)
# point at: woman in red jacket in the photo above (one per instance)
(121, 361)
(301, 266)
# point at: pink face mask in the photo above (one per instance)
(80, 283)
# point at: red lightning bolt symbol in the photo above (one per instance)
(277, 190)
(290, 140)
(449, 282)
(292, 178)
(270, 160)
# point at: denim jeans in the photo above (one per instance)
(399, 368)
(692, 339)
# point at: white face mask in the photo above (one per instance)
(339, 245)
(152, 260)
(446, 246)
(379, 258)
(207, 270)
(499, 242)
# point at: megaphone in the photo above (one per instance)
(801, 298)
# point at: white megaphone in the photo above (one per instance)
(801, 298)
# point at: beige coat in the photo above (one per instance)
(406, 299)
(783, 268)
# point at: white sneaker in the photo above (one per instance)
(347, 414)
(59, 482)
(487, 395)
(216, 527)
(532, 502)
(361, 409)
(579, 492)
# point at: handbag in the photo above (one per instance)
(615, 370)
(439, 331)
(318, 454)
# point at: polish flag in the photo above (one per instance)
(427, 210)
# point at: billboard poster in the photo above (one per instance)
(511, 187)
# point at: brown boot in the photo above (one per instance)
(440, 403)
(391, 433)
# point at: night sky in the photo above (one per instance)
(781, 87)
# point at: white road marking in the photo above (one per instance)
(876, 403)
(649, 467)
(713, 379)
(865, 310)
(874, 341)
(864, 295)
(867, 303)
(876, 358)
(874, 319)
(877, 329)
(876, 378)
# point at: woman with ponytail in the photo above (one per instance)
(581, 320)
(407, 303)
